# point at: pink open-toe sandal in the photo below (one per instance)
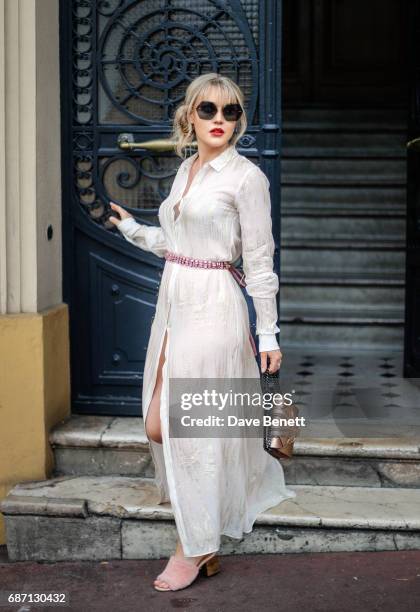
(180, 573)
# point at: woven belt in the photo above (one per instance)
(192, 262)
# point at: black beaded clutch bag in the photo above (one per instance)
(279, 437)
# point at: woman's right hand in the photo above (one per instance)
(120, 210)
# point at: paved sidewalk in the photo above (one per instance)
(322, 582)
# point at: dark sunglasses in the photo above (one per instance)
(208, 110)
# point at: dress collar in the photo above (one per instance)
(218, 162)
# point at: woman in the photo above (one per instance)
(218, 208)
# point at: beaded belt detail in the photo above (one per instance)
(206, 263)
(195, 263)
(215, 265)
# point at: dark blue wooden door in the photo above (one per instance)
(125, 65)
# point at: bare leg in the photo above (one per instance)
(152, 425)
(153, 431)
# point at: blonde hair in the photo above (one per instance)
(183, 132)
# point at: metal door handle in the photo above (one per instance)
(413, 143)
(126, 141)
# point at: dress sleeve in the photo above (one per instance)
(262, 284)
(267, 342)
(147, 237)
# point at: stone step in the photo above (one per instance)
(338, 260)
(342, 119)
(108, 517)
(322, 211)
(319, 171)
(104, 446)
(308, 295)
(362, 462)
(339, 228)
(320, 143)
(343, 242)
(343, 336)
(347, 330)
(350, 314)
(344, 279)
(300, 290)
(359, 199)
(101, 445)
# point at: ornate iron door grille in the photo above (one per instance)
(125, 65)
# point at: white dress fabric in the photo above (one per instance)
(215, 485)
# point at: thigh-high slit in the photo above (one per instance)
(154, 405)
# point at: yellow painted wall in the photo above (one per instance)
(34, 393)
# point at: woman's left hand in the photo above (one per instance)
(274, 358)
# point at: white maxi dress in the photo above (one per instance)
(215, 485)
